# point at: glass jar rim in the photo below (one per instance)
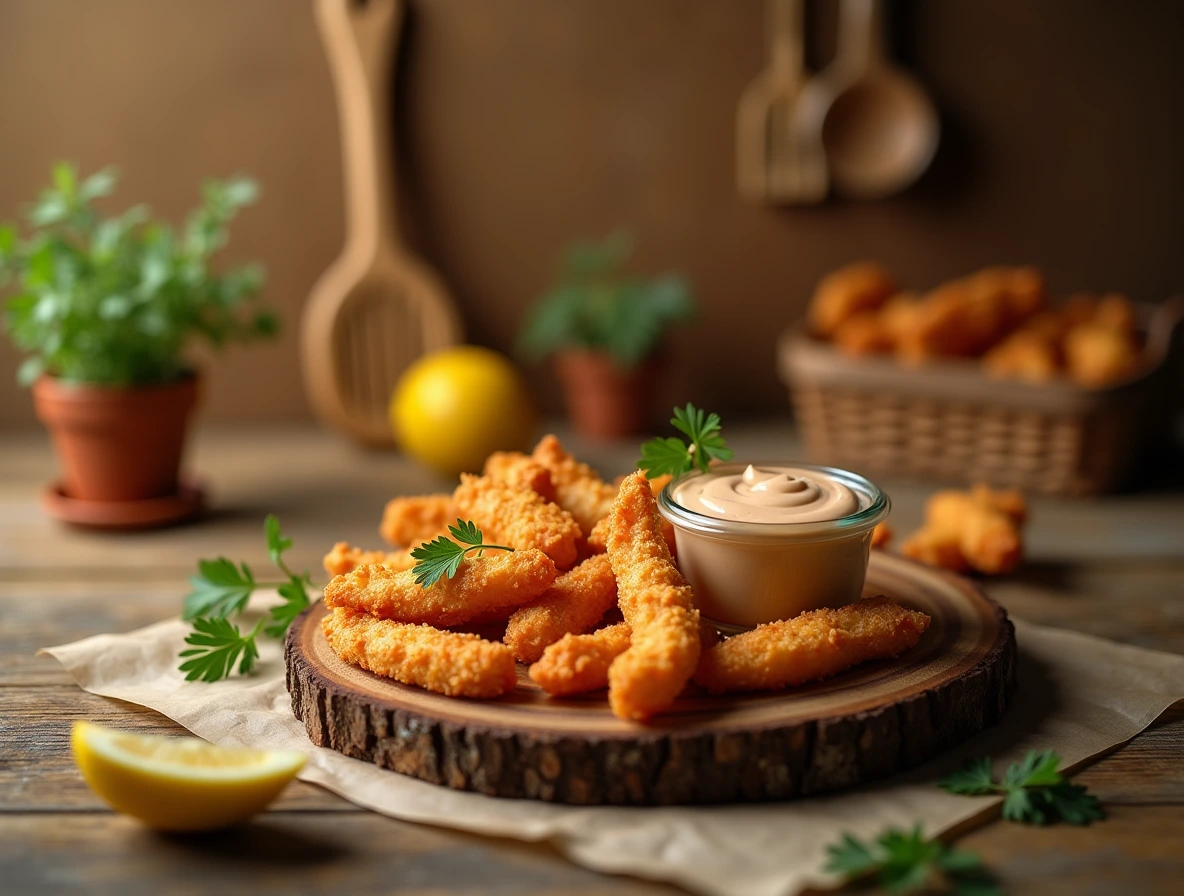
(876, 506)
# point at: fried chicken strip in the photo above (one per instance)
(520, 471)
(597, 542)
(450, 663)
(520, 518)
(578, 489)
(576, 664)
(809, 647)
(657, 603)
(499, 580)
(345, 557)
(982, 525)
(411, 521)
(574, 604)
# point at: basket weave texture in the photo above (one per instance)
(949, 421)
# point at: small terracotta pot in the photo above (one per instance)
(604, 399)
(117, 444)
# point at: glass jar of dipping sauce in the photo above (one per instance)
(762, 542)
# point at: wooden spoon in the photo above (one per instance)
(878, 127)
(377, 308)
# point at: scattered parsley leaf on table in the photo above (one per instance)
(217, 645)
(1034, 791)
(673, 456)
(905, 862)
(442, 557)
(221, 590)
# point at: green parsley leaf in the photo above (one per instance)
(296, 601)
(1034, 790)
(672, 456)
(905, 862)
(217, 646)
(219, 589)
(973, 779)
(442, 557)
(276, 542)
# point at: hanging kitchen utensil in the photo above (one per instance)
(772, 163)
(877, 125)
(377, 308)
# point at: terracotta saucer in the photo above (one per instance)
(146, 514)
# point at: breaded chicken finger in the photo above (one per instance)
(518, 517)
(574, 604)
(578, 489)
(656, 601)
(345, 558)
(520, 471)
(576, 664)
(499, 580)
(411, 521)
(809, 647)
(450, 663)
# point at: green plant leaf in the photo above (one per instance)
(296, 601)
(216, 645)
(276, 542)
(442, 557)
(905, 862)
(1038, 768)
(973, 779)
(219, 589)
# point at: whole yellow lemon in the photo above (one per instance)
(452, 408)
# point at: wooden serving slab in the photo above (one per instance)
(870, 722)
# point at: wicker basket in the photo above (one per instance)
(949, 421)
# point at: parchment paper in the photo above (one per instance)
(1078, 695)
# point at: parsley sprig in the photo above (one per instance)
(905, 862)
(1034, 790)
(673, 456)
(221, 590)
(442, 557)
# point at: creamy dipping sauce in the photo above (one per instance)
(769, 494)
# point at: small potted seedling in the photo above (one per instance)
(105, 309)
(604, 327)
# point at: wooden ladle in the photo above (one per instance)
(377, 308)
(878, 127)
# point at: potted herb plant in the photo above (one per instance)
(105, 309)
(604, 327)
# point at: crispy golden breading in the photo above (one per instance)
(573, 605)
(411, 521)
(499, 580)
(344, 558)
(1025, 355)
(1097, 355)
(810, 647)
(657, 603)
(863, 286)
(576, 664)
(597, 542)
(578, 489)
(518, 517)
(520, 471)
(451, 663)
(864, 333)
(978, 529)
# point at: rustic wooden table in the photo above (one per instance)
(1112, 567)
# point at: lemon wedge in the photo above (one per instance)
(180, 783)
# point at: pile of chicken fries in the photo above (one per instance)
(589, 598)
(1001, 315)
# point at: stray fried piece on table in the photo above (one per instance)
(345, 557)
(657, 603)
(412, 520)
(578, 488)
(518, 517)
(499, 580)
(572, 605)
(576, 664)
(979, 530)
(810, 647)
(450, 663)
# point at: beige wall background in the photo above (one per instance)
(525, 123)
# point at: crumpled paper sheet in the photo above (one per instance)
(1077, 695)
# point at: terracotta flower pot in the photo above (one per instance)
(604, 399)
(117, 444)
